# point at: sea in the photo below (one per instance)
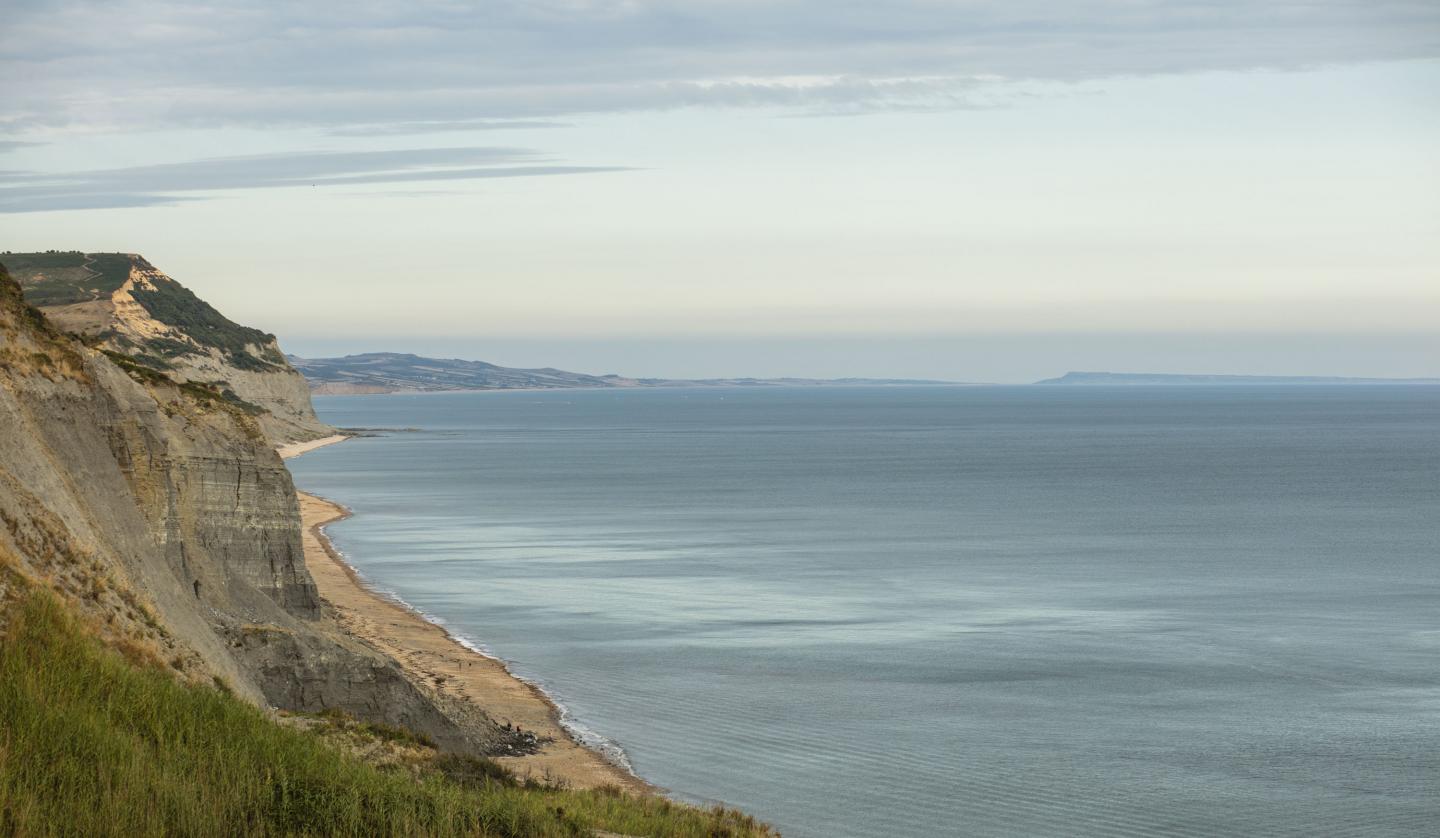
(942, 611)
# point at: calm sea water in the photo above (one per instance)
(929, 611)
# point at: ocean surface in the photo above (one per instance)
(944, 611)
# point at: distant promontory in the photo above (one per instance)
(394, 372)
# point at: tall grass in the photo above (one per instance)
(92, 745)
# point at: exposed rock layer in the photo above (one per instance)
(122, 303)
(164, 512)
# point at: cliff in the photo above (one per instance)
(123, 304)
(159, 509)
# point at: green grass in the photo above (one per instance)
(149, 371)
(47, 259)
(52, 351)
(342, 720)
(93, 745)
(106, 273)
(170, 303)
(217, 393)
(142, 373)
(175, 305)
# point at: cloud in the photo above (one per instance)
(156, 185)
(93, 65)
(439, 126)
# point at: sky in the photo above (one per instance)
(974, 190)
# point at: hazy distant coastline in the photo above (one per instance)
(392, 372)
(375, 373)
(1146, 378)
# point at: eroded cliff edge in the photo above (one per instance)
(154, 501)
(121, 303)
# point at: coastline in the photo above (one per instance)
(430, 655)
(295, 449)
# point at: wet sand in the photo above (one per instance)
(429, 655)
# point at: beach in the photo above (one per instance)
(903, 611)
(429, 655)
(295, 449)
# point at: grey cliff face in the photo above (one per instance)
(281, 391)
(178, 502)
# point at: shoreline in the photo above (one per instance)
(694, 386)
(428, 653)
(295, 449)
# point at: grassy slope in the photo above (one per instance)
(72, 277)
(28, 342)
(175, 305)
(70, 283)
(92, 745)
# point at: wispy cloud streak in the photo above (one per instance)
(65, 65)
(441, 126)
(156, 185)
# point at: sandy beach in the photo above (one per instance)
(429, 655)
(295, 449)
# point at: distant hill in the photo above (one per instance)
(391, 372)
(1122, 378)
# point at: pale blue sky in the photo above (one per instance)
(977, 191)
